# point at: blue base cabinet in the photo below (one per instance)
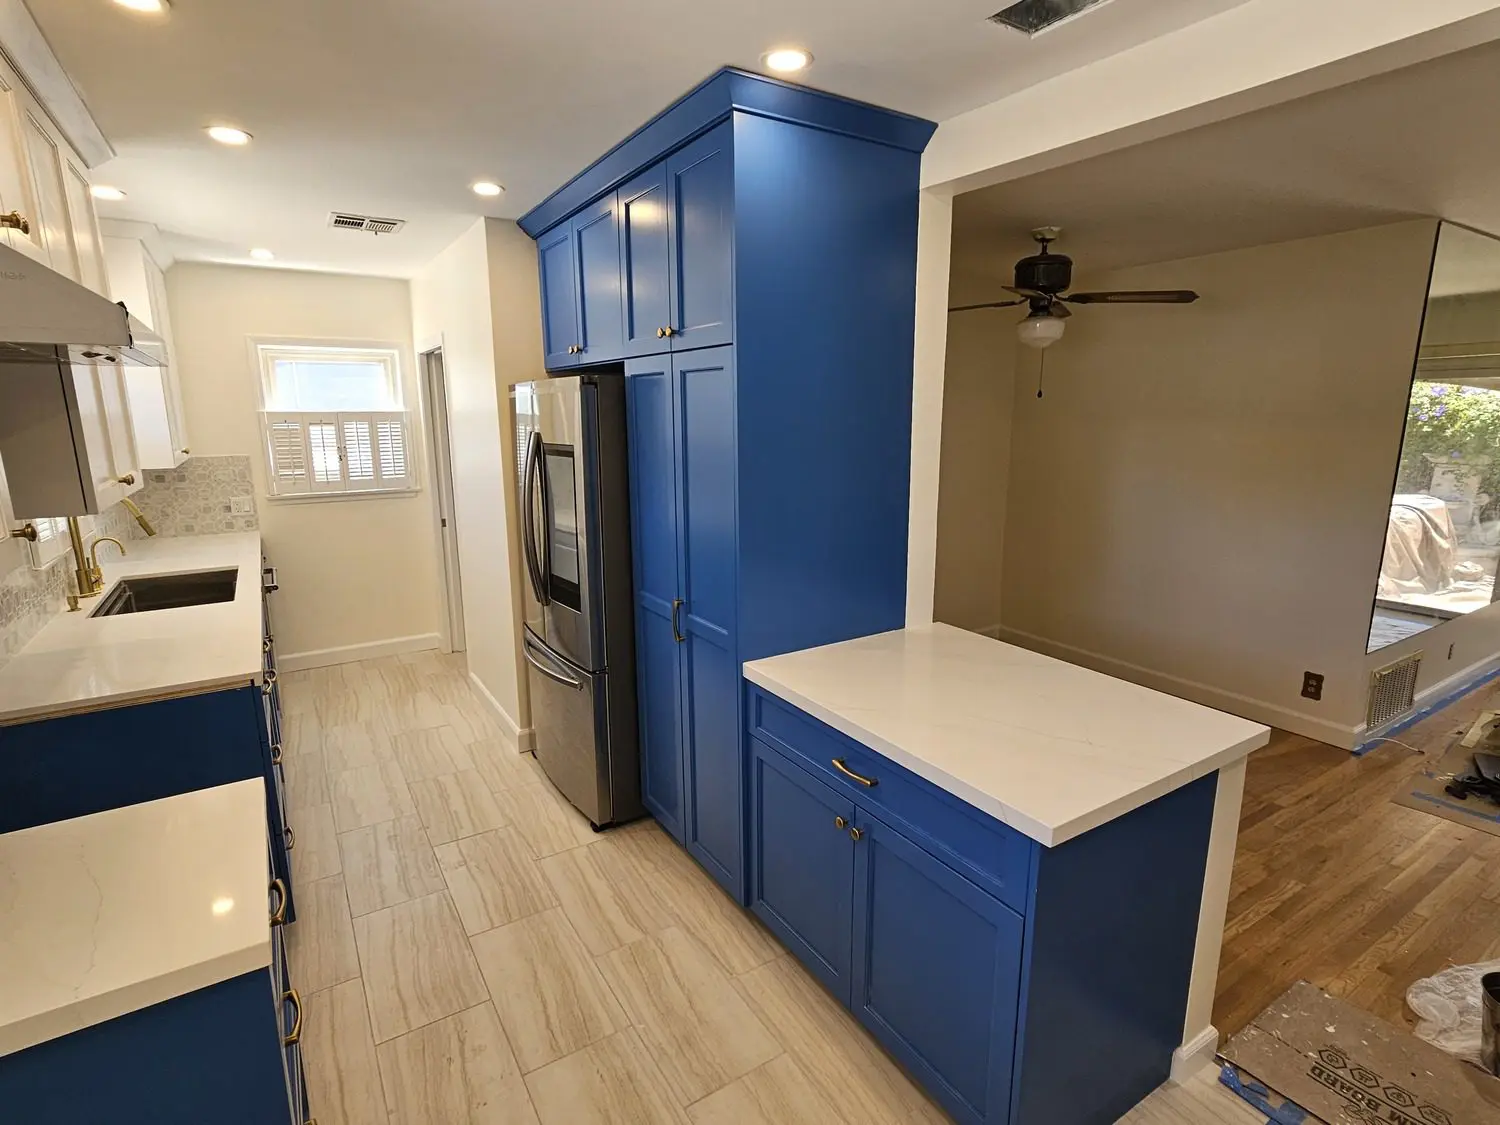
(1018, 984)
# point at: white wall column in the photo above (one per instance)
(934, 250)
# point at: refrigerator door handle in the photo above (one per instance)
(528, 512)
(550, 673)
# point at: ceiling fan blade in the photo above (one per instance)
(1059, 311)
(1135, 297)
(1030, 294)
(986, 305)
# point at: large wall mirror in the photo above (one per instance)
(1442, 543)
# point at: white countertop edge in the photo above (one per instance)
(90, 1011)
(1047, 835)
(63, 708)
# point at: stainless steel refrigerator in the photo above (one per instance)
(579, 639)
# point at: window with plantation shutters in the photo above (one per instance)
(333, 422)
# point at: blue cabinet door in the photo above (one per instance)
(700, 195)
(644, 257)
(554, 256)
(650, 402)
(705, 391)
(937, 972)
(596, 246)
(802, 864)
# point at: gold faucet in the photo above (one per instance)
(140, 516)
(86, 572)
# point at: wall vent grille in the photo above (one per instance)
(1393, 691)
(1033, 16)
(345, 220)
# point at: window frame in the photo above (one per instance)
(265, 350)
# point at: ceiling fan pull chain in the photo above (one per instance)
(1041, 371)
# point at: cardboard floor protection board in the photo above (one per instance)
(1425, 791)
(1345, 1067)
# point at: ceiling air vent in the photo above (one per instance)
(1392, 690)
(343, 220)
(1033, 16)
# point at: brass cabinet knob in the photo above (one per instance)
(661, 333)
(856, 834)
(25, 531)
(128, 478)
(14, 220)
(184, 452)
(840, 822)
(291, 838)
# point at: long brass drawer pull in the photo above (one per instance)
(296, 1035)
(278, 916)
(867, 782)
(676, 630)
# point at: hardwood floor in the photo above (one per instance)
(470, 952)
(1336, 885)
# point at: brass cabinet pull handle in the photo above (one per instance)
(276, 753)
(184, 452)
(14, 220)
(291, 838)
(278, 916)
(840, 822)
(676, 632)
(867, 782)
(128, 478)
(266, 645)
(296, 1035)
(25, 531)
(270, 675)
(856, 834)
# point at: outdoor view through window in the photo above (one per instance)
(1442, 543)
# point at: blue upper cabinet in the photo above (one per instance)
(700, 190)
(596, 246)
(645, 257)
(559, 284)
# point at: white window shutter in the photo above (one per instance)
(393, 461)
(356, 432)
(288, 460)
(326, 453)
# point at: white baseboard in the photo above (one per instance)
(1195, 1054)
(348, 654)
(1256, 710)
(523, 737)
(1432, 697)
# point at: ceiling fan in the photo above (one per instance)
(1042, 282)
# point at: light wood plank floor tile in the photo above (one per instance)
(388, 863)
(456, 805)
(548, 991)
(501, 765)
(369, 795)
(612, 1082)
(691, 1019)
(300, 730)
(356, 746)
(411, 712)
(430, 753)
(320, 944)
(457, 1071)
(316, 854)
(699, 905)
(418, 966)
(545, 820)
(343, 1079)
(306, 780)
(1200, 1100)
(608, 903)
(494, 880)
(778, 1093)
(472, 720)
(843, 1062)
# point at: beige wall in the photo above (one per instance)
(479, 300)
(1199, 501)
(358, 577)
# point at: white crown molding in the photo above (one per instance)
(27, 48)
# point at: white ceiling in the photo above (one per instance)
(394, 109)
(1419, 141)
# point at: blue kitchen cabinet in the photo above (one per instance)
(596, 249)
(700, 194)
(645, 263)
(559, 285)
(803, 867)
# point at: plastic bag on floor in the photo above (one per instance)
(1449, 1007)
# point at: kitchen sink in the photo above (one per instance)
(168, 591)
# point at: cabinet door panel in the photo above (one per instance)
(802, 870)
(554, 253)
(50, 223)
(650, 417)
(700, 186)
(644, 261)
(705, 408)
(87, 244)
(17, 190)
(937, 972)
(596, 239)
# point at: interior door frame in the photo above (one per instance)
(434, 391)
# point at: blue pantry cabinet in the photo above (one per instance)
(766, 275)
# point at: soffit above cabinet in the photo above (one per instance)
(728, 91)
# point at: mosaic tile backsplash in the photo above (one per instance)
(195, 499)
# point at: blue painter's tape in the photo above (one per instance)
(1288, 1113)
(1427, 709)
(1458, 806)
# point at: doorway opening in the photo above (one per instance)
(435, 388)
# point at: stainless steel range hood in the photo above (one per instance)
(46, 318)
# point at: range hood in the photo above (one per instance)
(46, 318)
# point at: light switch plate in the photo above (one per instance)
(242, 505)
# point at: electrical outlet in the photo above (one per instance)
(1312, 685)
(242, 505)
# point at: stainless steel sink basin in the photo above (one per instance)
(168, 591)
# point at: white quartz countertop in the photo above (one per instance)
(78, 662)
(111, 913)
(1047, 747)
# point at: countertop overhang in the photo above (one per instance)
(1049, 748)
(82, 663)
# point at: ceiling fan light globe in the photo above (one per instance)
(1041, 331)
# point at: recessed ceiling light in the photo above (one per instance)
(787, 60)
(104, 191)
(228, 135)
(488, 187)
(153, 7)
(260, 254)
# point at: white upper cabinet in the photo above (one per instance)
(154, 393)
(19, 222)
(50, 225)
